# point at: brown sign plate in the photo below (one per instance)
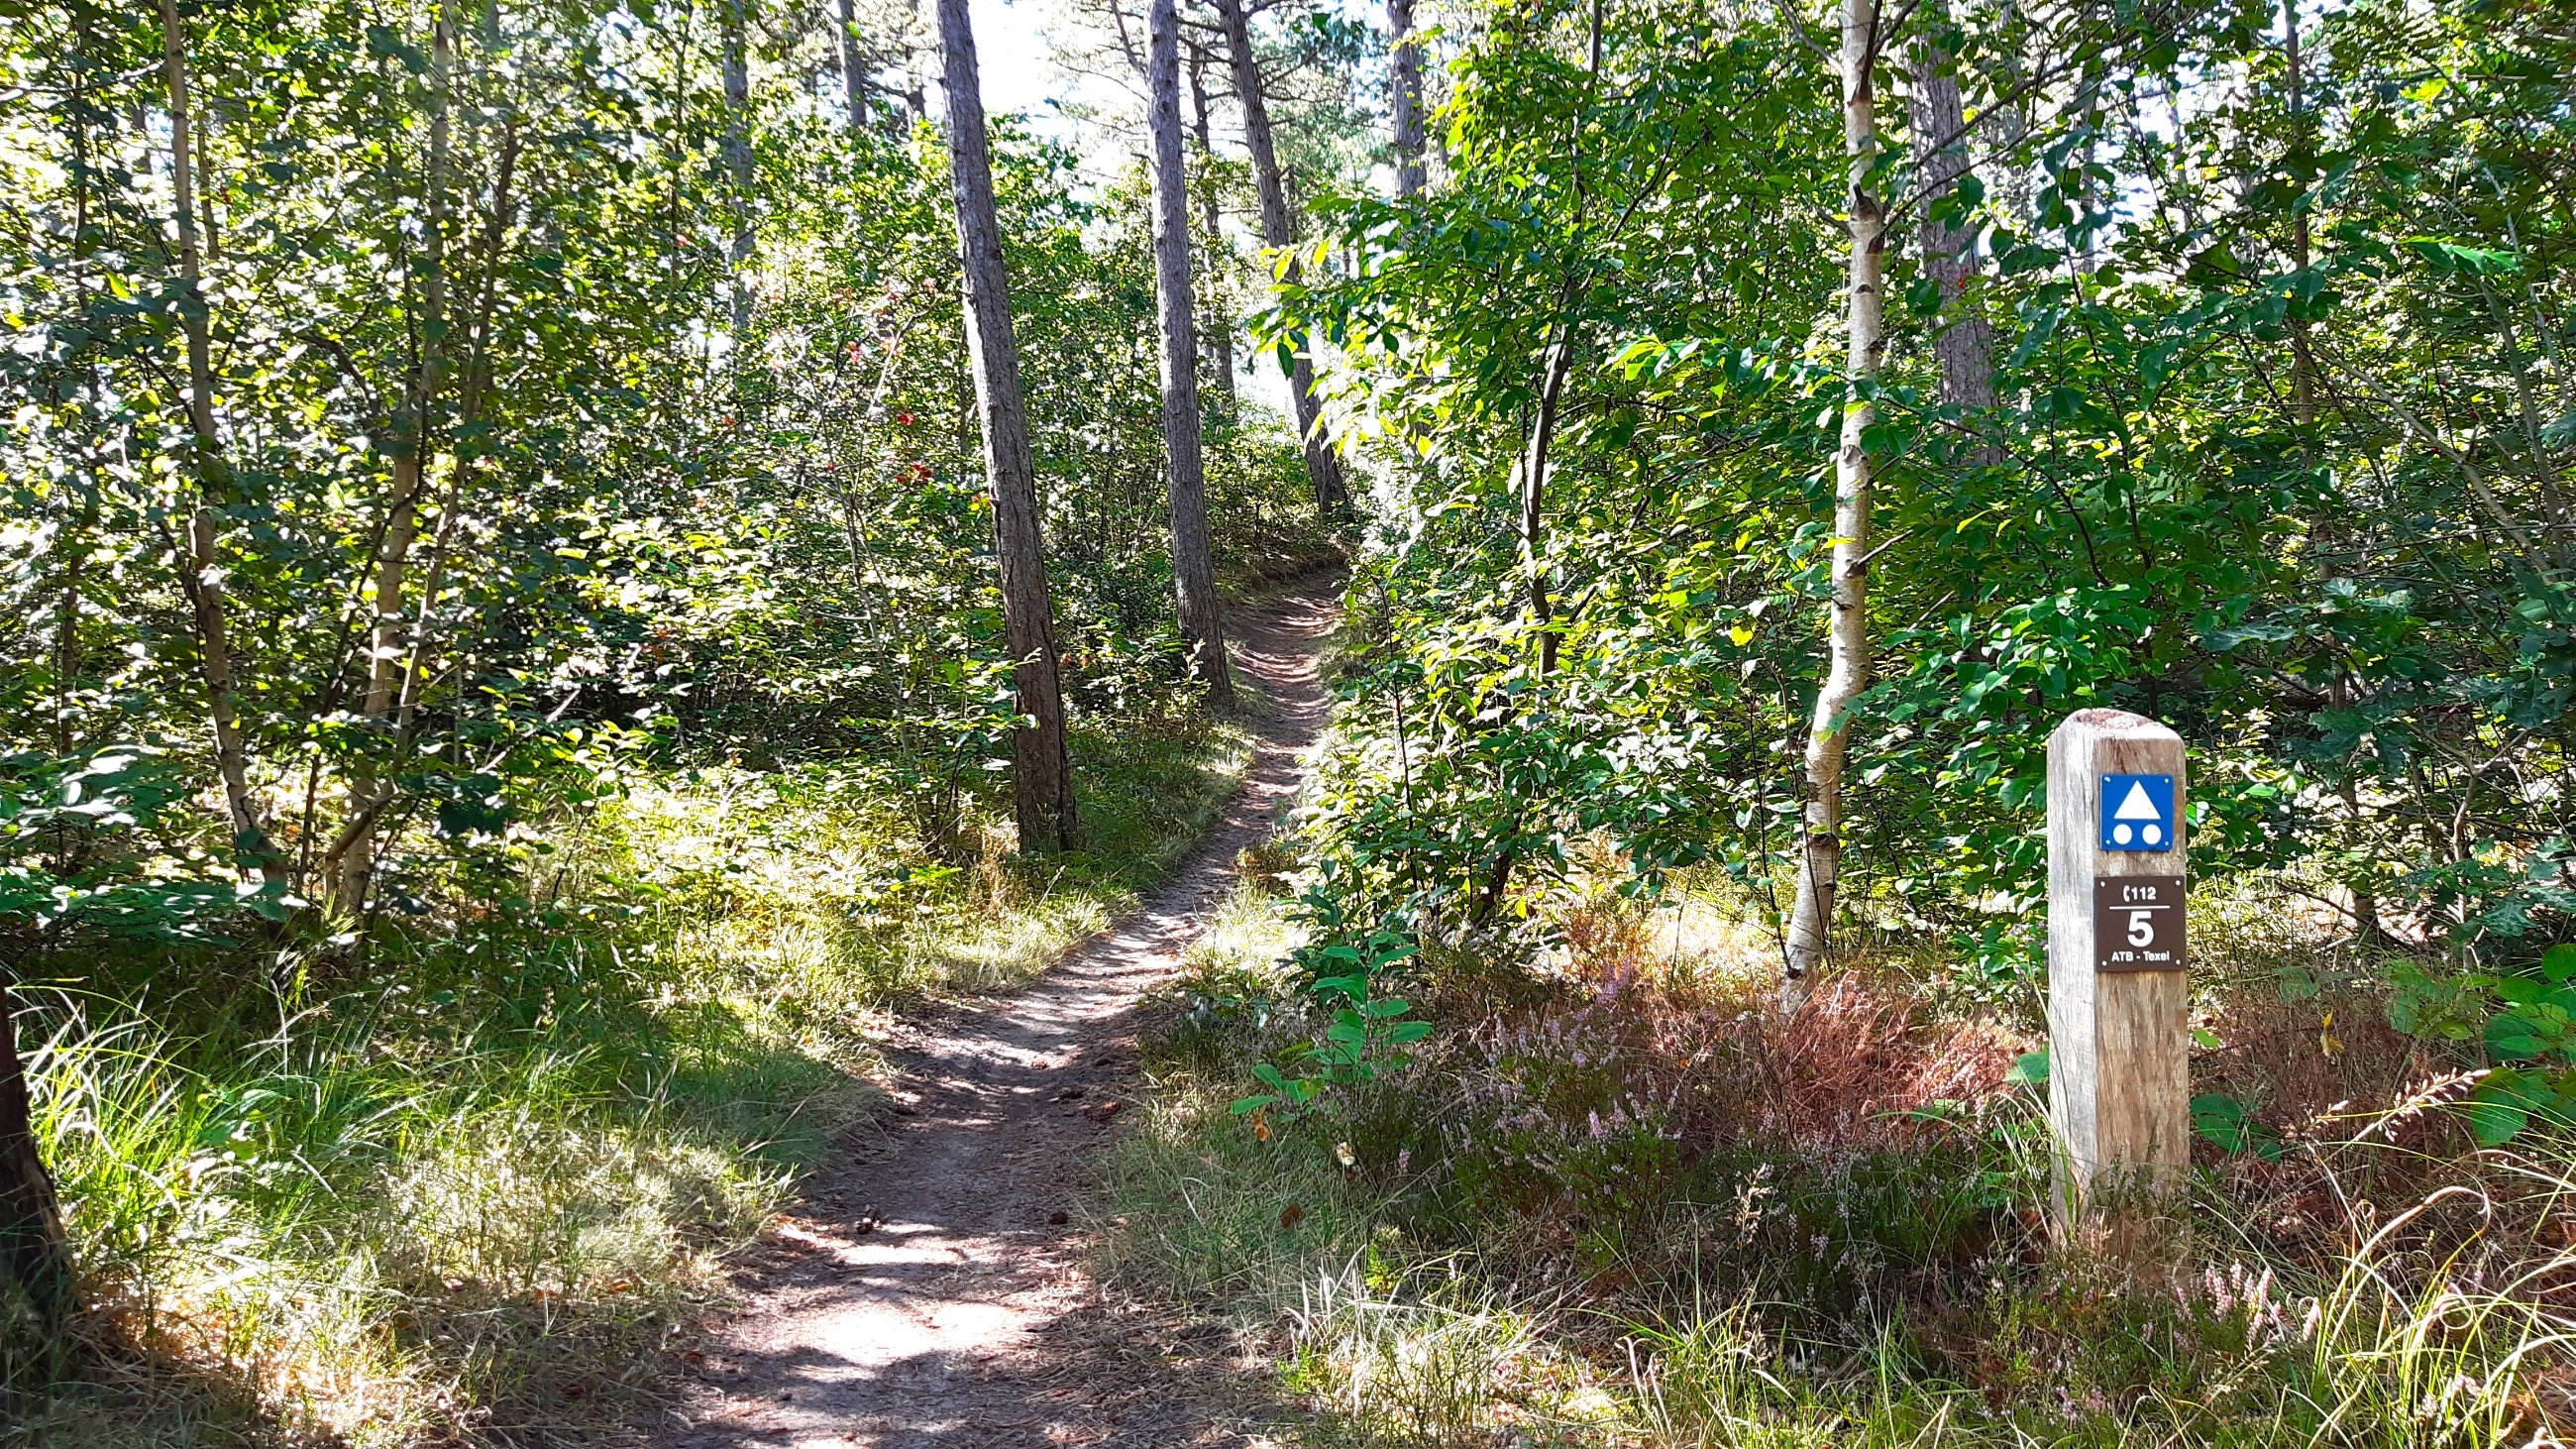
(2137, 923)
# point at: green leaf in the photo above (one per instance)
(2522, 992)
(2223, 1120)
(2495, 1123)
(2459, 258)
(2029, 1070)
(2512, 1037)
(2507, 1100)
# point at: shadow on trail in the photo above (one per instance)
(930, 1292)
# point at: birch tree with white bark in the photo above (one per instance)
(1847, 670)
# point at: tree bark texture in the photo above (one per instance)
(2303, 361)
(1041, 769)
(350, 861)
(737, 153)
(854, 77)
(1219, 334)
(1847, 672)
(1406, 98)
(201, 576)
(1964, 347)
(1533, 471)
(1323, 469)
(1184, 464)
(2303, 409)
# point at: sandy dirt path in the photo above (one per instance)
(930, 1294)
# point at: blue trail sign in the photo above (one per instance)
(2138, 812)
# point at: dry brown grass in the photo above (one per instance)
(1681, 1009)
(1620, 1194)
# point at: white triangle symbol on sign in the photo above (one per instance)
(2137, 806)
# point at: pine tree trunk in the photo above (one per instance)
(1184, 467)
(1406, 100)
(1041, 769)
(201, 577)
(854, 78)
(1323, 468)
(1847, 672)
(1219, 337)
(1964, 347)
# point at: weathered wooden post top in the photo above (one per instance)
(2119, 1087)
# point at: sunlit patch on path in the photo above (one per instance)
(930, 1293)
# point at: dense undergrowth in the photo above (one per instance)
(474, 1172)
(1617, 1199)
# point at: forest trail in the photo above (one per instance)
(929, 1294)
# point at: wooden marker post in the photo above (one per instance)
(2119, 1033)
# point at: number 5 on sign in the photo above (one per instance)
(2118, 1003)
(2137, 923)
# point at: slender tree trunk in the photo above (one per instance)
(350, 861)
(2303, 362)
(202, 577)
(854, 77)
(1041, 770)
(204, 129)
(1323, 468)
(1184, 466)
(737, 151)
(1219, 338)
(67, 642)
(1964, 347)
(1406, 100)
(1531, 474)
(2303, 409)
(879, 445)
(1847, 674)
(398, 645)
(1533, 471)
(427, 385)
